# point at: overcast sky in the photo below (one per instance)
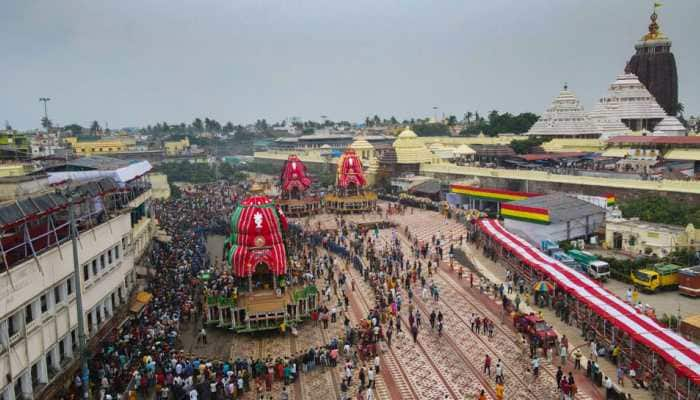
(135, 62)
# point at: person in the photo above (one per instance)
(559, 375)
(500, 391)
(482, 395)
(414, 333)
(629, 296)
(577, 359)
(562, 354)
(499, 371)
(620, 376)
(535, 363)
(487, 365)
(607, 384)
(594, 351)
(370, 377)
(635, 296)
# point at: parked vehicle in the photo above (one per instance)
(553, 250)
(595, 268)
(689, 281)
(533, 325)
(656, 277)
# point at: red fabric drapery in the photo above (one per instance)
(350, 170)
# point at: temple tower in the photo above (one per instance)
(655, 66)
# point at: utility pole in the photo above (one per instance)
(79, 301)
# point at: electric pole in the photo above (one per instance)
(85, 378)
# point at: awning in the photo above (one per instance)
(616, 152)
(121, 175)
(140, 301)
(682, 354)
(683, 154)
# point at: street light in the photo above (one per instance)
(85, 379)
(45, 100)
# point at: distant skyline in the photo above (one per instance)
(133, 63)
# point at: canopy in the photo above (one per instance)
(140, 301)
(683, 355)
(121, 175)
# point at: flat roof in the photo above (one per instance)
(692, 140)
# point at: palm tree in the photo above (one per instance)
(468, 117)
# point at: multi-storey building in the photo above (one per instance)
(38, 311)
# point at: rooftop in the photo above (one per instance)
(561, 207)
(564, 117)
(627, 98)
(670, 126)
(659, 140)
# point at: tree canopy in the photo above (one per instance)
(662, 210)
(497, 123)
(431, 129)
(526, 146)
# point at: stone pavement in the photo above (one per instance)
(419, 221)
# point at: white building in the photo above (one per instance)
(38, 312)
(44, 144)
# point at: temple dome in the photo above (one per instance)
(360, 143)
(407, 133)
(410, 149)
(564, 117)
(670, 126)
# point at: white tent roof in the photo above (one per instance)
(121, 175)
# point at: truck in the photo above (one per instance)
(689, 281)
(553, 250)
(594, 267)
(656, 277)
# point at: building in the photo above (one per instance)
(655, 66)
(554, 217)
(38, 312)
(102, 146)
(638, 237)
(175, 147)
(411, 152)
(564, 118)
(670, 126)
(159, 185)
(46, 144)
(628, 106)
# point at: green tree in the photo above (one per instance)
(197, 125)
(526, 146)
(451, 120)
(431, 129)
(95, 127)
(74, 129)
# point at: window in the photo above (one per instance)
(102, 261)
(13, 324)
(62, 350)
(116, 252)
(74, 340)
(94, 267)
(28, 314)
(109, 256)
(44, 303)
(86, 273)
(58, 299)
(35, 375)
(124, 244)
(69, 286)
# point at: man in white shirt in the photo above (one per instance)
(370, 377)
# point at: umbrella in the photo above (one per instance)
(543, 286)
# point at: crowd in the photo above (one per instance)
(143, 357)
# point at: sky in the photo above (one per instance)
(138, 62)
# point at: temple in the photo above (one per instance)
(295, 199)
(350, 194)
(628, 106)
(655, 66)
(565, 118)
(267, 292)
